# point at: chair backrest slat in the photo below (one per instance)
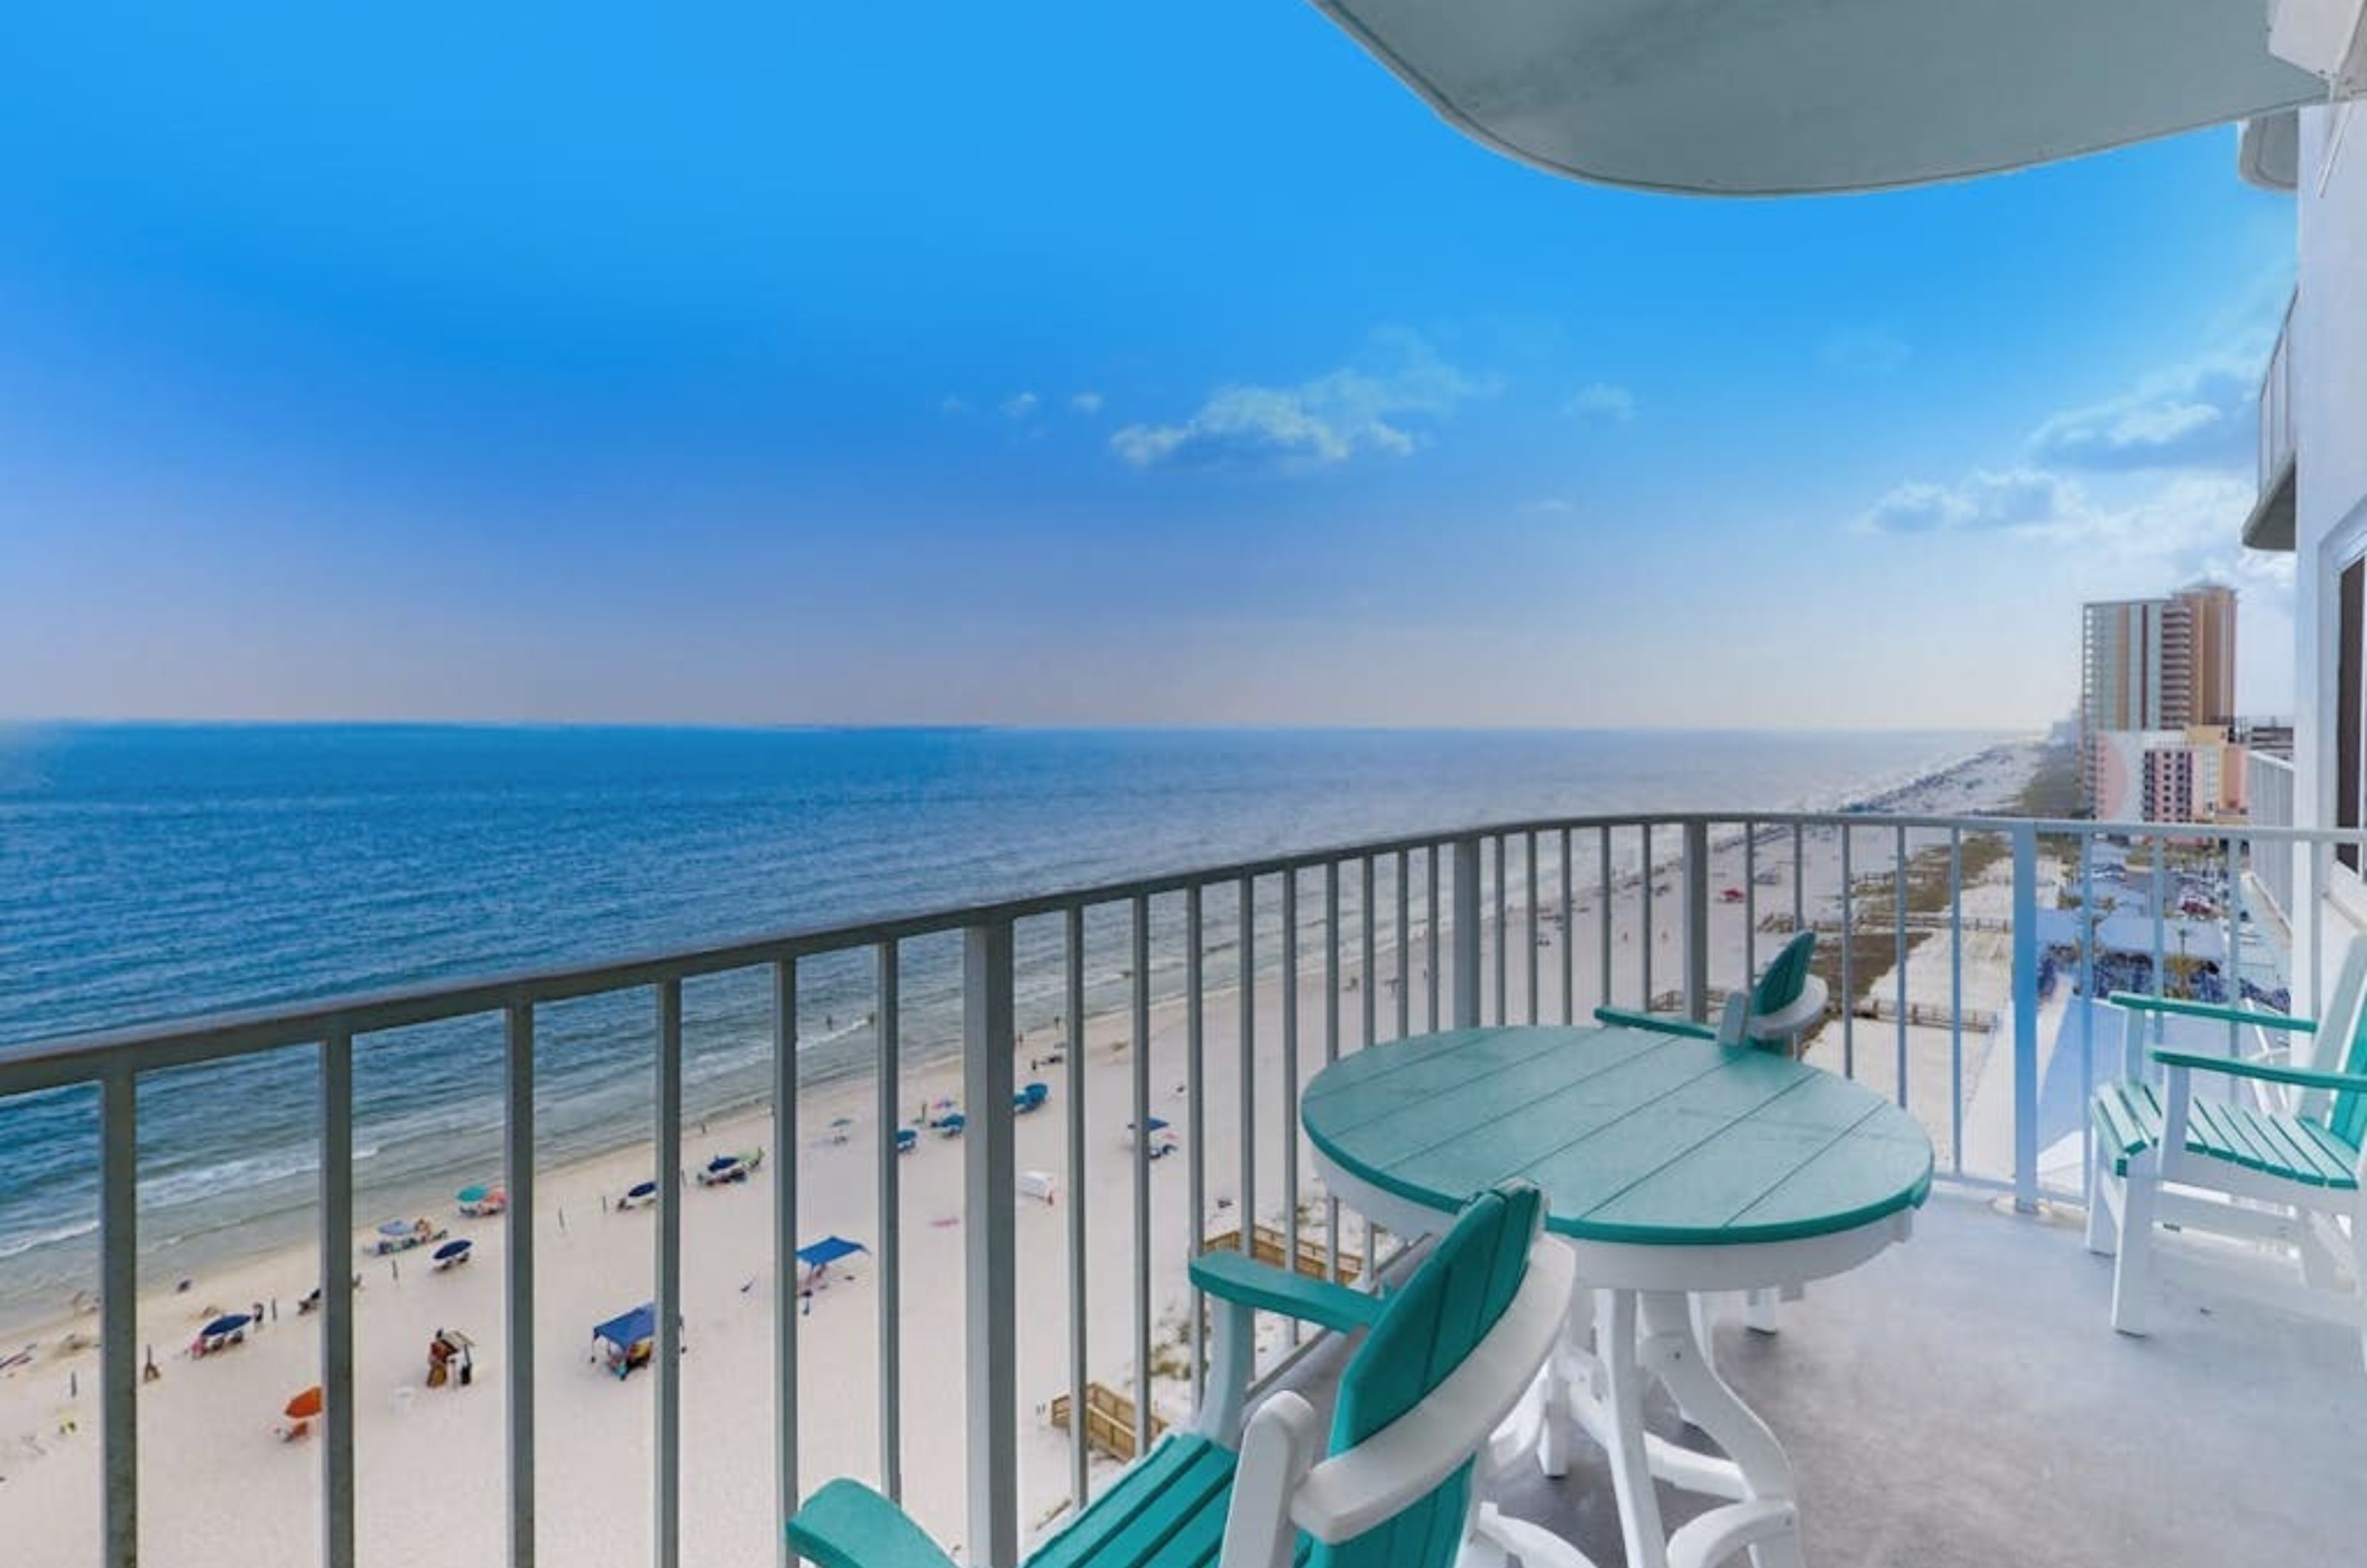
(2341, 1043)
(1421, 1338)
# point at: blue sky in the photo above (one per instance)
(1058, 363)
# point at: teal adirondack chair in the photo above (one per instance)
(1444, 1359)
(1787, 1000)
(2281, 1164)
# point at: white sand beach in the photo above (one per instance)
(221, 1489)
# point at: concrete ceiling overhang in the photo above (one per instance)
(1769, 97)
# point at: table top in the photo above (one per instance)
(1634, 1136)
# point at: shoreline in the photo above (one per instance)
(844, 1053)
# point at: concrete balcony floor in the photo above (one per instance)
(1962, 1401)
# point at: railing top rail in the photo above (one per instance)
(90, 1058)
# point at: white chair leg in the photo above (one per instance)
(2132, 1270)
(2104, 1238)
(2359, 1266)
(1759, 1310)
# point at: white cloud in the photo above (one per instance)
(1865, 352)
(1377, 404)
(1602, 402)
(1086, 403)
(1553, 505)
(952, 405)
(2199, 416)
(2014, 498)
(1019, 405)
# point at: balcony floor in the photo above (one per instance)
(1963, 1401)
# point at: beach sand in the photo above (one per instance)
(220, 1488)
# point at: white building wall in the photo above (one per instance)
(2329, 411)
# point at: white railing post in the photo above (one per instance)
(668, 1365)
(1697, 918)
(518, 1276)
(786, 1478)
(990, 1293)
(118, 1298)
(1467, 933)
(2025, 1017)
(337, 1300)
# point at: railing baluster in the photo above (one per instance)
(1431, 915)
(1602, 911)
(991, 1224)
(1073, 1015)
(119, 1304)
(786, 1490)
(1503, 941)
(517, 1273)
(1332, 935)
(2231, 977)
(889, 1042)
(1569, 940)
(1371, 960)
(1246, 970)
(337, 1299)
(1750, 900)
(1956, 998)
(1195, 1100)
(1646, 832)
(1849, 962)
(2087, 995)
(1799, 877)
(2025, 1018)
(668, 1365)
(1529, 937)
(1405, 944)
(1290, 1134)
(1899, 897)
(1696, 953)
(1141, 1066)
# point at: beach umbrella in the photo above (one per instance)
(305, 1405)
(645, 1189)
(723, 1162)
(451, 1250)
(395, 1227)
(473, 1194)
(229, 1323)
(842, 1121)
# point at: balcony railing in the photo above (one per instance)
(1961, 952)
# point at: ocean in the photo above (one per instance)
(150, 873)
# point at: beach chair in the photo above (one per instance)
(1777, 1011)
(2278, 1162)
(1444, 1361)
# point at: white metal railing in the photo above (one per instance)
(1650, 882)
(2269, 796)
(2275, 447)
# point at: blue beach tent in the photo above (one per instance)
(828, 1250)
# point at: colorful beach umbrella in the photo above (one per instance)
(645, 1189)
(723, 1162)
(229, 1323)
(305, 1405)
(395, 1227)
(473, 1194)
(451, 1250)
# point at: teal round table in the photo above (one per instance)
(1675, 1168)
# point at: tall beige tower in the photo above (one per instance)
(2210, 615)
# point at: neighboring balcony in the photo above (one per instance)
(1961, 1400)
(2269, 525)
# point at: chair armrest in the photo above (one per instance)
(2137, 1002)
(847, 1524)
(1620, 1017)
(2301, 1078)
(1230, 1276)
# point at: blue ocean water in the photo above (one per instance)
(157, 872)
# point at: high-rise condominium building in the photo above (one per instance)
(2154, 664)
